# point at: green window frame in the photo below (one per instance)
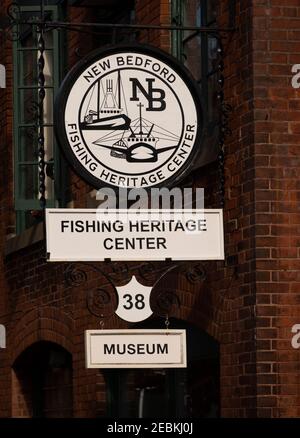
(25, 98)
(198, 52)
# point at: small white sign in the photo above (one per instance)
(135, 348)
(134, 301)
(97, 235)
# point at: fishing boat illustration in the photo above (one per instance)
(140, 143)
(109, 114)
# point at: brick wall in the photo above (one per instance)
(260, 370)
(277, 141)
(154, 12)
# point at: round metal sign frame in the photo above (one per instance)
(152, 126)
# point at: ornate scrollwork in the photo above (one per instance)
(196, 273)
(120, 270)
(13, 17)
(100, 303)
(147, 271)
(164, 302)
(74, 276)
(13, 12)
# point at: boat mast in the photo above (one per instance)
(141, 129)
(98, 99)
(119, 89)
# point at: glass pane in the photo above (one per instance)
(192, 12)
(28, 36)
(28, 182)
(49, 143)
(28, 67)
(49, 181)
(28, 145)
(212, 53)
(28, 107)
(48, 106)
(214, 106)
(212, 8)
(48, 69)
(192, 53)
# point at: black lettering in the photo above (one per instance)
(106, 242)
(64, 224)
(79, 226)
(120, 60)
(189, 137)
(104, 174)
(179, 226)
(149, 95)
(129, 60)
(202, 225)
(93, 166)
(162, 349)
(95, 70)
(88, 76)
(131, 349)
(119, 243)
(75, 138)
(171, 78)
(140, 349)
(105, 64)
(164, 72)
(190, 128)
(161, 243)
(77, 146)
(151, 243)
(109, 350)
(119, 350)
(182, 153)
(148, 349)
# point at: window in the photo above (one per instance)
(198, 52)
(26, 182)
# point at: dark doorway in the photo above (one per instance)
(186, 392)
(42, 382)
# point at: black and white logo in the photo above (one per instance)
(129, 117)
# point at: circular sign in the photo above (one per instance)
(129, 117)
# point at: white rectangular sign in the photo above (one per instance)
(97, 235)
(135, 348)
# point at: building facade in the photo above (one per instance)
(238, 313)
